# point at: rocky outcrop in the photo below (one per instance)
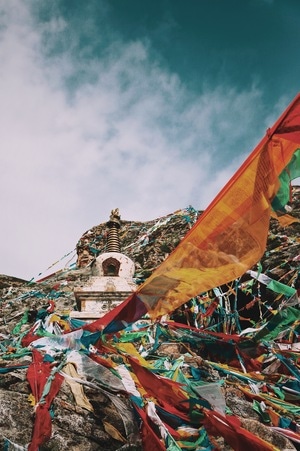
(107, 420)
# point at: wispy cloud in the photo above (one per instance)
(85, 132)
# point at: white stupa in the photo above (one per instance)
(111, 279)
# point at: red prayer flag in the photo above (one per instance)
(37, 376)
(169, 394)
(151, 441)
(229, 427)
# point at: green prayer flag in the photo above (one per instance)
(289, 173)
(281, 288)
(283, 319)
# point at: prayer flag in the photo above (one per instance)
(230, 236)
(39, 375)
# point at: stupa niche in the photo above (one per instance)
(111, 280)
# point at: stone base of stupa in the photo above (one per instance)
(94, 304)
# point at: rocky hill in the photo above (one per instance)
(92, 409)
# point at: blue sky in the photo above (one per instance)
(146, 106)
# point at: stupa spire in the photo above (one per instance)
(113, 239)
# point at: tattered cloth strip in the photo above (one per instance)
(168, 393)
(151, 441)
(76, 388)
(236, 436)
(7, 369)
(282, 321)
(45, 383)
(11, 446)
(228, 238)
(272, 284)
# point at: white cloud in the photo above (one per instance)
(128, 135)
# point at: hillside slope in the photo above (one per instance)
(98, 414)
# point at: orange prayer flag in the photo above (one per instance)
(230, 236)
